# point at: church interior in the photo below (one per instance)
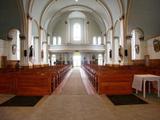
(79, 60)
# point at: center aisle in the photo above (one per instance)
(73, 103)
(74, 85)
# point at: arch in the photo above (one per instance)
(87, 9)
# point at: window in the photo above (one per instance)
(54, 40)
(77, 32)
(59, 40)
(94, 40)
(99, 41)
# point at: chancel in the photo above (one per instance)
(79, 59)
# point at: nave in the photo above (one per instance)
(72, 101)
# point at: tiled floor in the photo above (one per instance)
(73, 103)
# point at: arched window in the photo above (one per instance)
(77, 32)
(54, 40)
(99, 41)
(100, 59)
(59, 40)
(94, 40)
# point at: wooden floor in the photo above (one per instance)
(75, 99)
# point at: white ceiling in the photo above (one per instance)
(105, 12)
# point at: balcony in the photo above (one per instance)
(74, 47)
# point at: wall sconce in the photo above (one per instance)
(66, 22)
(36, 37)
(128, 37)
(41, 27)
(22, 37)
(141, 38)
(29, 17)
(116, 37)
(44, 42)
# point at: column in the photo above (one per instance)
(123, 42)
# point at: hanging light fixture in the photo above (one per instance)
(76, 0)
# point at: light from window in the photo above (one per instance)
(99, 41)
(94, 40)
(77, 32)
(54, 41)
(59, 40)
(100, 59)
(133, 40)
(53, 59)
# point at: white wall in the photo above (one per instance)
(61, 29)
(93, 30)
(150, 49)
(3, 47)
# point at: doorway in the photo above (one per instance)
(76, 59)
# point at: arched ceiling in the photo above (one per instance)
(140, 13)
(88, 13)
(104, 11)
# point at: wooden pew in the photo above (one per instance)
(36, 81)
(115, 80)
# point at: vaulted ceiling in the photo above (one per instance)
(139, 13)
(106, 12)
